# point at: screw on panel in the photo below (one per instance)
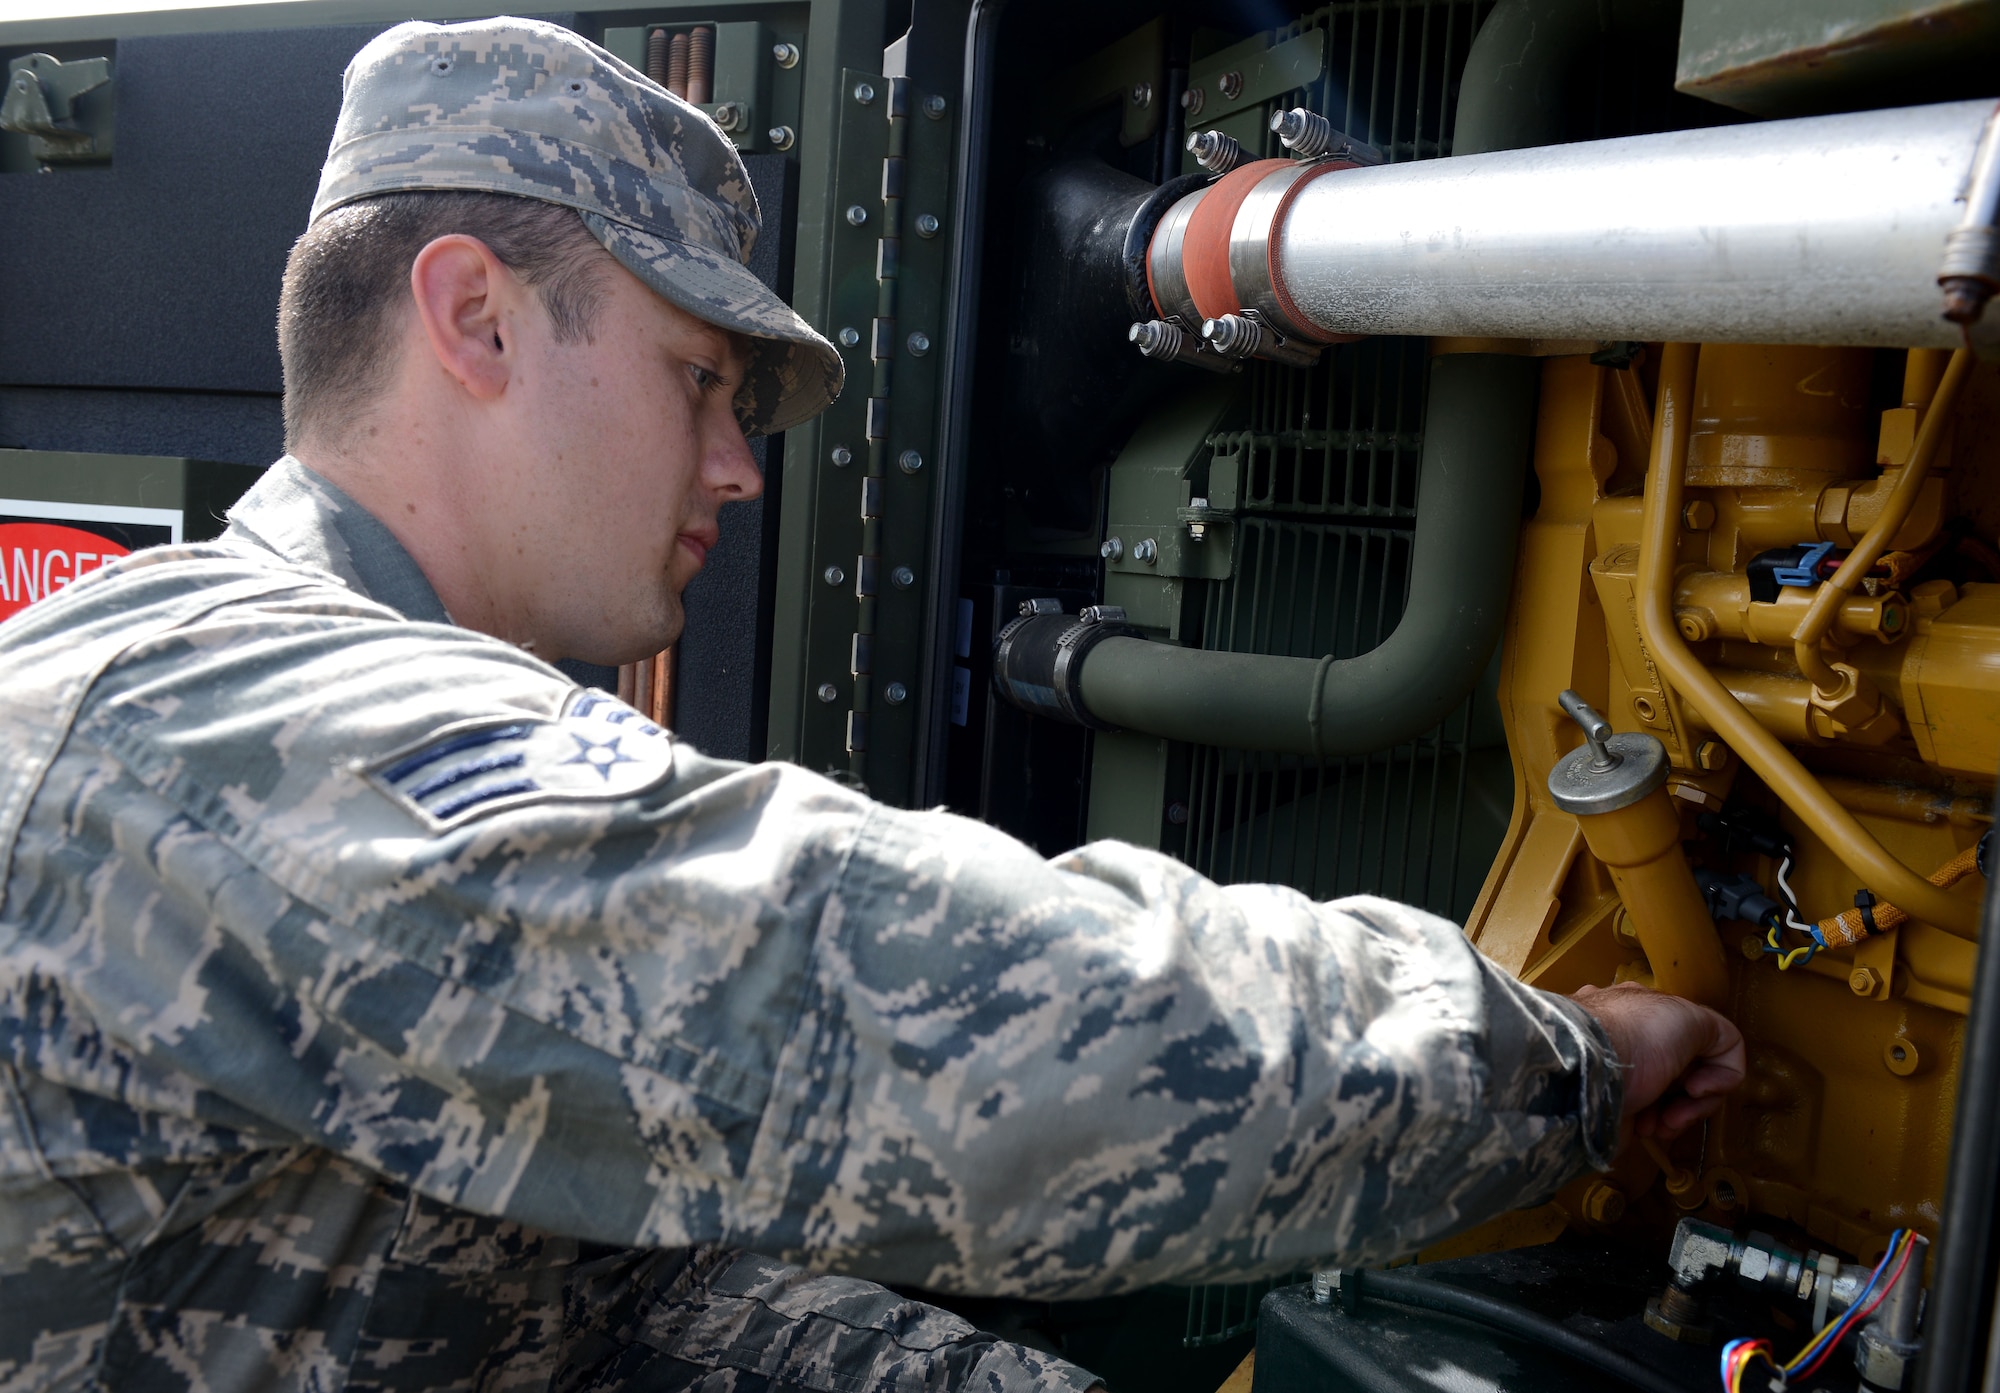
(828, 692)
(781, 137)
(841, 456)
(1147, 551)
(864, 93)
(895, 693)
(1177, 814)
(833, 575)
(856, 215)
(927, 225)
(1193, 100)
(934, 106)
(849, 336)
(730, 117)
(1112, 549)
(920, 344)
(902, 577)
(1142, 94)
(785, 55)
(1231, 85)
(910, 461)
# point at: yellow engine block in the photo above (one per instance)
(1892, 717)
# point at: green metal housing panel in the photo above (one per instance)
(1796, 57)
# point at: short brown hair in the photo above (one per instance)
(351, 269)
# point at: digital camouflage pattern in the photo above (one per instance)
(518, 106)
(299, 1087)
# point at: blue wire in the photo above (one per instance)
(1838, 1329)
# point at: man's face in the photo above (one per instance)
(626, 447)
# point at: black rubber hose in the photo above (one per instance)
(1406, 1289)
(1958, 1322)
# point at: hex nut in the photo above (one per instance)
(1146, 550)
(1698, 515)
(781, 137)
(1603, 1204)
(1675, 1324)
(927, 225)
(785, 55)
(841, 456)
(1711, 755)
(1863, 981)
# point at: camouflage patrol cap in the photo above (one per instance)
(518, 106)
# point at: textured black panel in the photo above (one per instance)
(723, 698)
(161, 269)
(235, 427)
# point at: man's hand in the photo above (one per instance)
(1680, 1058)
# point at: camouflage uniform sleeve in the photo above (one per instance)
(746, 1005)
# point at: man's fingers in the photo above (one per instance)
(1675, 1117)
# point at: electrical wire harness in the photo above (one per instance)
(1739, 1355)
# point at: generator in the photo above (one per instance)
(1538, 460)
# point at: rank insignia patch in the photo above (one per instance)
(597, 749)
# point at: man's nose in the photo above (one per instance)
(731, 467)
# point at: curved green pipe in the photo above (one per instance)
(1478, 434)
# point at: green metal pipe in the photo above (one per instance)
(1478, 434)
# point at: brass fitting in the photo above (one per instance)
(1854, 711)
(1678, 1315)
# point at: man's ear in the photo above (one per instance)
(460, 288)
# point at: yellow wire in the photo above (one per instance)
(1786, 959)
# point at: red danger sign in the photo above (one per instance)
(41, 550)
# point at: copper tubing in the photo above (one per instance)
(701, 65)
(1895, 511)
(656, 56)
(1641, 846)
(677, 65)
(1777, 766)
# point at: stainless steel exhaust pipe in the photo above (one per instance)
(1829, 230)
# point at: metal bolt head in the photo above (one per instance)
(1711, 755)
(1863, 981)
(1142, 94)
(1193, 100)
(841, 456)
(927, 225)
(1112, 550)
(781, 137)
(1146, 550)
(1231, 84)
(1675, 1322)
(833, 575)
(864, 92)
(919, 344)
(849, 336)
(1177, 813)
(895, 693)
(785, 55)
(1603, 1204)
(934, 106)
(1751, 947)
(856, 215)
(910, 461)
(828, 692)
(729, 116)
(902, 577)
(1698, 516)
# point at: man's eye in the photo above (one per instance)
(707, 379)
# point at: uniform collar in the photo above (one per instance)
(309, 520)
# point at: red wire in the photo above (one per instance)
(1856, 1316)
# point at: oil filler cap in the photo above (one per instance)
(1608, 771)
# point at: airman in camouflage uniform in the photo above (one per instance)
(379, 1009)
